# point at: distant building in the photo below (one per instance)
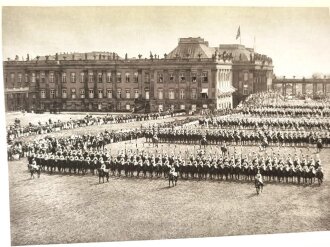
(193, 76)
(252, 72)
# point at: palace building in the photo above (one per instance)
(193, 76)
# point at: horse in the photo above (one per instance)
(263, 145)
(224, 149)
(319, 146)
(204, 142)
(172, 177)
(155, 141)
(103, 173)
(259, 186)
(33, 170)
(319, 176)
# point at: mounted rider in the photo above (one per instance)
(173, 172)
(258, 178)
(34, 164)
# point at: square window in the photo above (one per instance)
(146, 77)
(118, 77)
(82, 93)
(82, 77)
(193, 93)
(171, 77)
(171, 94)
(52, 94)
(160, 77)
(128, 94)
(63, 77)
(182, 77)
(51, 77)
(43, 94)
(91, 77)
(64, 94)
(127, 77)
(160, 94)
(109, 78)
(205, 77)
(136, 93)
(181, 94)
(19, 77)
(136, 77)
(73, 77)
(118, 93)
(73, 93)
(100, 93)
(99, 78)
(109, 93)
(33, 77)
(91, 93)
(194, 77)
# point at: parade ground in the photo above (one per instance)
(64, 208)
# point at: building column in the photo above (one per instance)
(284, 89)
(324, 88)
(294, 88)
(303, 88)
(314, 89)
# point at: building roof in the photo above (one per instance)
(94, 55)
(192, 48)
(243, 54)
(239, 52)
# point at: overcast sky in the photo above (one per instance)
(298, 39)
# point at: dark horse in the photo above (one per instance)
(155, 141)
(34, 170)
(319, 176)
(204, 142)
(263, 145)
(103, 173)
(259, 186)
(224, 150)
(319, 146)
(172, 178)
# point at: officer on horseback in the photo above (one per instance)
(34, 164)
(172, 171)
(258, 178)
(103, 166)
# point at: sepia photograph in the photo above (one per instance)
(127, 123)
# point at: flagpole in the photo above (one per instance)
(239, 34)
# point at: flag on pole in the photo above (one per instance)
(238, 35)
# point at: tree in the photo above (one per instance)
(317, 75)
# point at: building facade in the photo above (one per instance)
(252, 72)
(193, 76)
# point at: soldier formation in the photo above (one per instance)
(298, 168)
(88, 153)
(16, 130)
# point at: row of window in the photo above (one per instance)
(73, 77)
(171, 93)
(110, 77)
(128, 107)
(182, 77)
(54, 93)
(182, 94)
